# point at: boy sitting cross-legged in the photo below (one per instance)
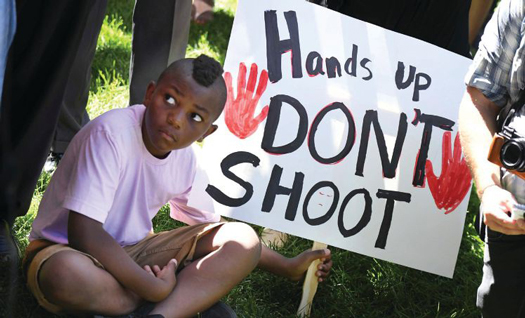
(92, 249)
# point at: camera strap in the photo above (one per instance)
(509, 111)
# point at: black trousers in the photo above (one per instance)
(38, 68)
(73, 115)
(160, 36)
(502, 290)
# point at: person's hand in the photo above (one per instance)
(166, 275)
(496, 206)
(298, 265)
(239, 113)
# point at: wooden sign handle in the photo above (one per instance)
(310, 285)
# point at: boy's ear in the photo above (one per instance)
(210, 131)
(149, 93)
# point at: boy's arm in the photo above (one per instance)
(296, 267)
(88, 236)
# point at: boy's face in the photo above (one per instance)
(179, 111)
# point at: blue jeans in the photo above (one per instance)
(7, 33)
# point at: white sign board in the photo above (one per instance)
(330, 131)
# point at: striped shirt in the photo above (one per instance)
(498, 71)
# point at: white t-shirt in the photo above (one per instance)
(108, 175)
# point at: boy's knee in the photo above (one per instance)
(72, 281)
(243, 235)
(57, 274)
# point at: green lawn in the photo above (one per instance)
(359, 286)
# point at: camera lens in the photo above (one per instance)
(512, 154)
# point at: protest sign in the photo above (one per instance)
(341, 132)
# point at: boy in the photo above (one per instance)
(116, 174)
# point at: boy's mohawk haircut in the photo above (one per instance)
(206, 70)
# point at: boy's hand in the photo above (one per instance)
(166, 274)
(298, 265)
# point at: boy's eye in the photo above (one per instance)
(170, 100)
(196, 117)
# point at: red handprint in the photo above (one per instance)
(452, 186)
(238, 113)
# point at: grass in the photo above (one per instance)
(359, 286)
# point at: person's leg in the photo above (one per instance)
(45, 43)
(501, 293)
(223, 258)
(9, 253)
(72, 282)
(73, 115)
(7, 32)
(160, 36)
(180, 30)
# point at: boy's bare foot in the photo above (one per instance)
(298, 265)
(202, 11)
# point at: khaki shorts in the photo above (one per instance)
(156, 249)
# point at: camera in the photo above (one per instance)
(508, 150)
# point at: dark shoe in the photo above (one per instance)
(52, 161)
(9, 265)
(219, 310)
(132, 315)
(141, 312)
(9, 251)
